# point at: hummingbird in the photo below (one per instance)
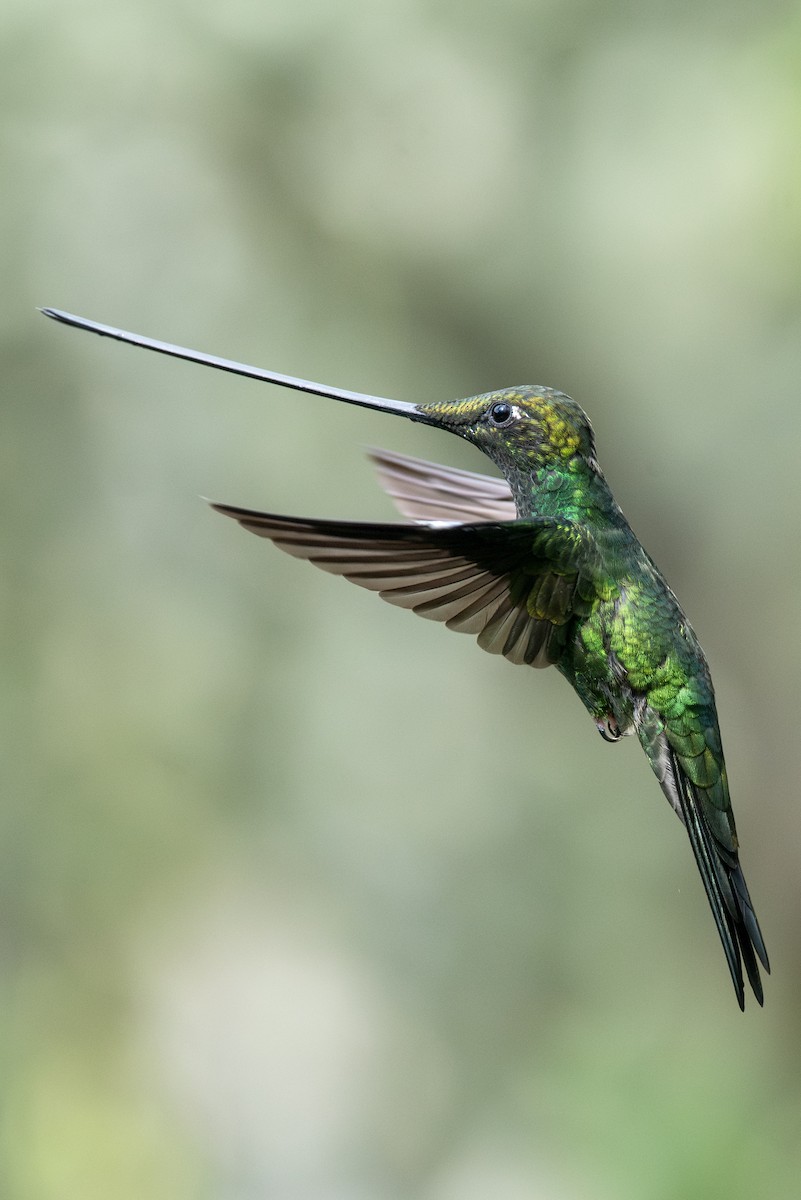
(543, 568)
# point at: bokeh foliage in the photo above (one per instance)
(301, 897)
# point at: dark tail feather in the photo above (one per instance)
(749, 934)
(749, 916)
(726, 891)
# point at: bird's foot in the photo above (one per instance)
(608, 728)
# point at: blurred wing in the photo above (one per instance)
(695, 785)
(516, 585)
(427, 492)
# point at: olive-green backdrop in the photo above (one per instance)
(302, 898)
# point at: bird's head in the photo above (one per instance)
(522, 428)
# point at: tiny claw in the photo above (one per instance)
(609, 728)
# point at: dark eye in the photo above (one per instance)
(501, 413)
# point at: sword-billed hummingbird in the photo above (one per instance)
(544, 569)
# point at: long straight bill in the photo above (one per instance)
(402, 407)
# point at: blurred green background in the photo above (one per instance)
(300, 897)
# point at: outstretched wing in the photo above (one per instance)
(429, 493)
(688, 762)
(516, 585)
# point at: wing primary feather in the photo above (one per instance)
(427, 492)
(476, 577)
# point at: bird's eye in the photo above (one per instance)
(501, 414)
